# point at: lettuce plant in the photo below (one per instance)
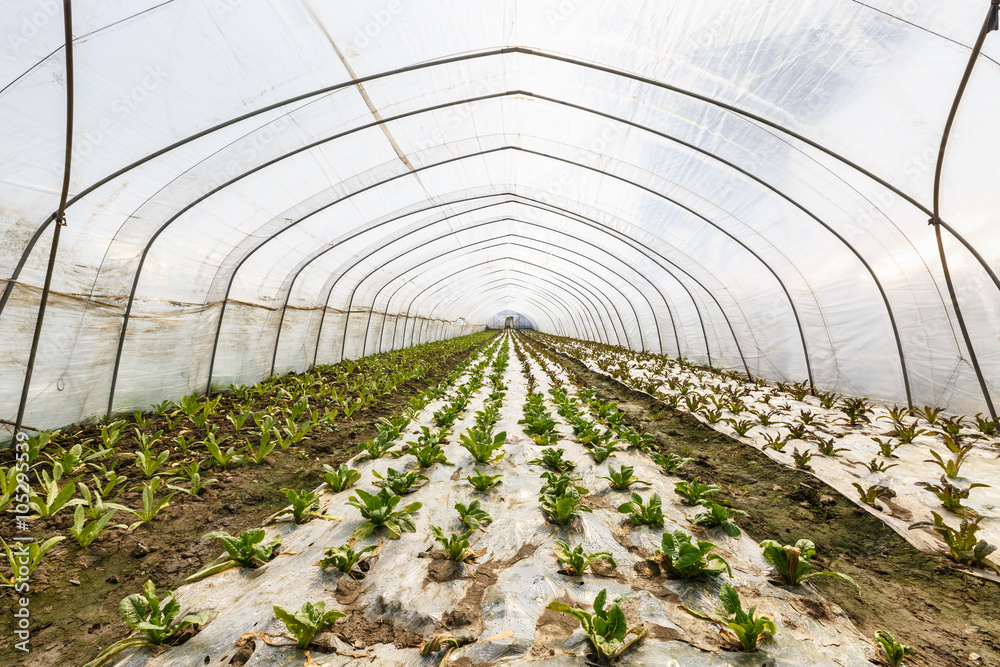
(606, 628)
(472, 515)
(56, 497)
(890, 649)
(248, 550)
(86, 531)
(877, 466)
(455, 545)
(375, 448)
(962, 543)
(553, 458)
(950, 495)
(379, 511)
(303, 507)
(872, 493)
(802, 459)
(828, 446)
(150, 506)
(887, 447)
(340, 479)
(153, 622)
(602, 451)
(35, 552)
(482, 444)
(748, 628)
(719, 515)
(400, 482)
(192, 474)
(623, 478)
(575, 560)
(482, 482)
(684, 559)
(671, 463)
(952, 466)
(307, 622)
(346, 559)
(694, 492)
(793, 563)
(643, 514)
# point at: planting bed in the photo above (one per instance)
(481, 575)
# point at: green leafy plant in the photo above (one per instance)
(150, 506)
(191, 474)
(553, 458)
(428, 455)
(694, 492)
(153, 622)
(623, 478)
(563, 509)
(828, 446)
(872, 493)
(671, 463)
(346, 559)
(375, 448)
(26, 555)
(719, 515)
(340, 479)
(775, 442)
(149, 463)
(400, 482)
(746, 626)
(307, 622)
(802, 458)
(248, 550)
(472, 515)
(455, 545)
(683, 559)
(877, 466)
(602, 451)
(575, 560)
(482, 445)
(222, 458)
(952, 466)
(962, 543)
(793, 563)
(986, 426)
(267, 445)
(86, 531)
(857, 410)
(379, 510)
(890, 649)
(482, 482)
(303, 507)
(643, 514)
(606, 628)
(741, 426)
(907, 433)
(56, 497)
(950, 495)
(887, 447)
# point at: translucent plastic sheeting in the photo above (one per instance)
(244, 174)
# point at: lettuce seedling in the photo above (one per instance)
(472, 515)
(192, 474)
(482, 444)
(719, 515)
(339, 479)
(671, 463)
(303, 507)
(890, 649)
(85, 531)
(576, 560)
(793, 563)
(623, 478)
(872, 493)
(248, 550)
(602, 451)
(553, 458)
(877, 466)
(694, 492)
(951, 466)
(606, 629)
(482, 482)
(345, 558)
(152, 621)
(379, 511)
(950, 495)
(400, 482)
(748, 628)
(828, 446)
(456, 545)
(35, 551)
(56, 497)
(887, 447)
(962, 543)
(684, 559)
(649, 514)
(375, 448)
(428, 455)
(308, 622)
(802, 459)
(150, 506)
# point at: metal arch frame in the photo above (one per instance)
(561, 232)
(381, 121)
(594, 332)
(469, 252)
(860, 257)
(552, 295)
(486, 54)
(518, 281)
(591, 331)
(582, 294)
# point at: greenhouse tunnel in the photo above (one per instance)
(199, 194)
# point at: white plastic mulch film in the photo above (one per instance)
(258, 186)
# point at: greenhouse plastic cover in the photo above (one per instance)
(258, 187)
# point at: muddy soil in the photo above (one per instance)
(76, 592)
(950, 618)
